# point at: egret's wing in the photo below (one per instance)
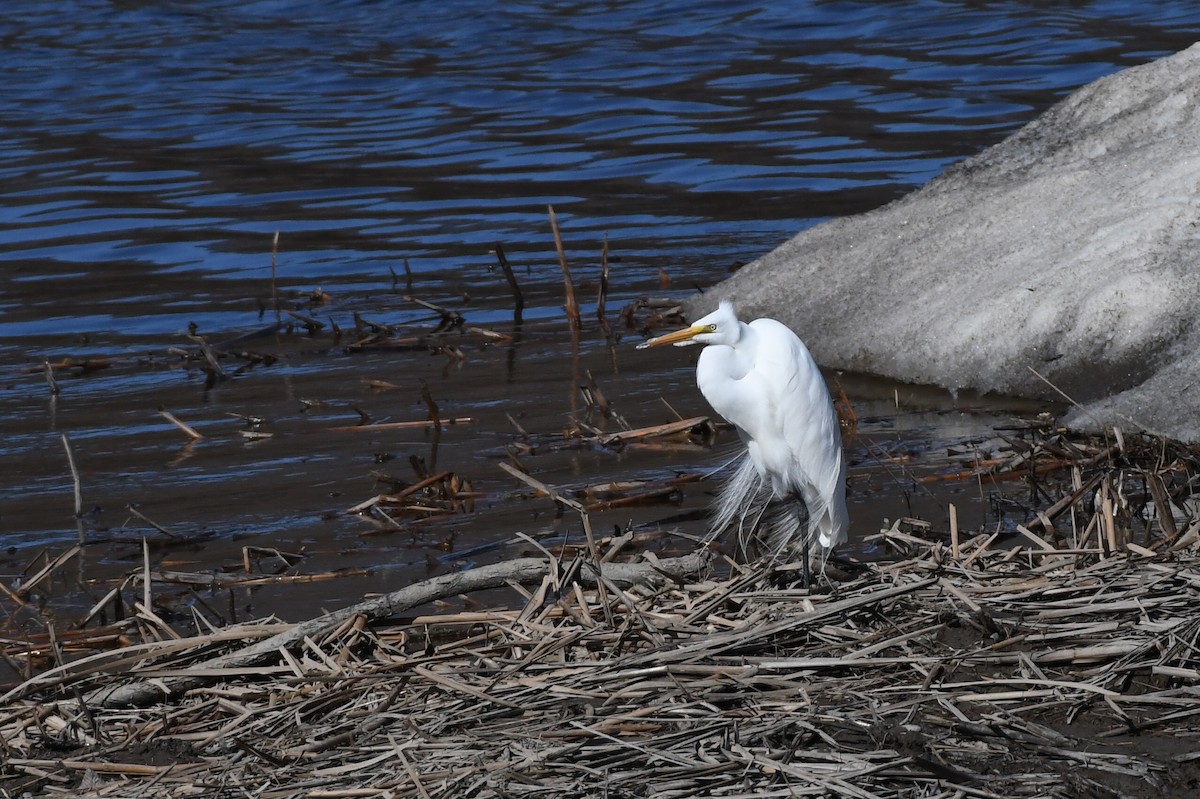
(810, 437)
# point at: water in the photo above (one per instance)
(150, 152)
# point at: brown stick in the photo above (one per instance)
(572, 306)
(1056, 510)
(74, 475)
(135, 512)
(399, 495)
(182, 425)
(435, 417)
(670, 428)
(49, 370)
(214, 363)
(955, 548)
(603, 296)
(355, 428)
(274, 290)
(24, 588)
(1162, 506)
(518, 298)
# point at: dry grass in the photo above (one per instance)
(1017, 668)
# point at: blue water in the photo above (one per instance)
(174, 138)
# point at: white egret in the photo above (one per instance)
(764, 381)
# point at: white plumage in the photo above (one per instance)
(762, 379)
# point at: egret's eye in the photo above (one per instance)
(712, 328)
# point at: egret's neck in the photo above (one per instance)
(731, 357)
(737, 337)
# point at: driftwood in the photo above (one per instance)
(521, 571)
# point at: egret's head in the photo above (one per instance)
(719, 327)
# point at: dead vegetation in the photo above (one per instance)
(1061, 662)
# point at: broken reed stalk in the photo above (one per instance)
(135, 512)
(274, 289)
(184, 426)
(600, 311)
(66, 440)
(1162, 507)
(558, 497)
(518, 298)
(24, 588)
(955, 548)
(1079, 407)
(78, 485)
(434, 417)
(572, 305)
(359, 428)
(210, 357)
(1110, 527)
(572, 309)
(50, 381)
(847, 416)
(595, 561)
(147, 583)
(603, 294)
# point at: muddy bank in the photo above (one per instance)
(273, 510)
(1053, 666)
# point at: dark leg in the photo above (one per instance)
(805, 537)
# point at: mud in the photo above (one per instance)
(288, 447)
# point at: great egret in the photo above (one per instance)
(764, 381)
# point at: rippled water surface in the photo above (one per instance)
(150, 151)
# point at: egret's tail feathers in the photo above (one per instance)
(784, 529)
(767, 526)
(742, 499)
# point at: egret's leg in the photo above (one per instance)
(804, 535)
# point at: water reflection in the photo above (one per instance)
(177, 135)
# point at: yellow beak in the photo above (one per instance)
(679, 338)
